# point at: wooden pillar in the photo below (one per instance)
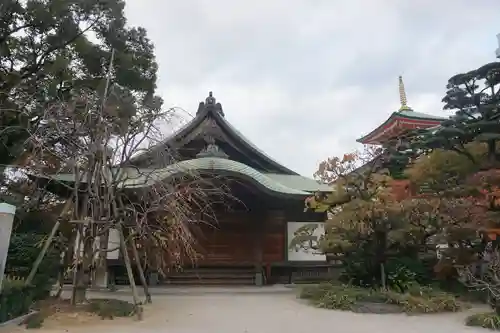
(259, 234)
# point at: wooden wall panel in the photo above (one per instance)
(274, 248)
(274, 242)
(233, 240)
(221, 246)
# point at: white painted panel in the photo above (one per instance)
(304, 253)
(77, 241)
(113, 244)
(6, 219)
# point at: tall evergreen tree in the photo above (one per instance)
(54, 50)
(475, 98)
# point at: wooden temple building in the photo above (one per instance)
(251, 242)
(248, 243)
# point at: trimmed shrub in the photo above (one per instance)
(417, 300)
(16, 299)
(110, 308)
(23, 251)
(486, 320)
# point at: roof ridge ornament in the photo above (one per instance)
(210, 103)
(497, 52)
(402, 96)
(210, 99)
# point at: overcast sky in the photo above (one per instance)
(303, 79)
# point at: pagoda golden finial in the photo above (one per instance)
(402, 96)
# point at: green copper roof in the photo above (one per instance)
(418, 115)
(277, 183)
(300, 182)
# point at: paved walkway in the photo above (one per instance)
(243, 311)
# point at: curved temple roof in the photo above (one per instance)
(129, 177)
(261, 170)
(211, 109)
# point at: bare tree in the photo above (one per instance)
(484, 275)
(87, 147)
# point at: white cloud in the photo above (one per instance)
(304, 78)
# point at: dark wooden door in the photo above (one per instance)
(229, 242)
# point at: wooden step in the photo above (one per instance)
(211, 276)
(212, 282)
(203, 270)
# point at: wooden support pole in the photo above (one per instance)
(66, 262)
(79, 236)
(130, 274)
(47, 243)
(141, 271)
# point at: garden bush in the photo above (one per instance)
(486, 320)
(361, 268)
(23, 251)
(339, 297)
(16, 299)
(416, 300)
(110, 308)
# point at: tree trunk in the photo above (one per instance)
(381, 248)
(382, 276)
(101, 270)
(84, 268)
(492, 153)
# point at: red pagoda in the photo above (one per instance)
(399, 122)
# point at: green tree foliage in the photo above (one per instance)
(367, 227)
(23, 251)
(54, 50)
(453, 202)
(475, 98)
(458, 162)
(445, 172)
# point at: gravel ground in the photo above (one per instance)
(230, 311)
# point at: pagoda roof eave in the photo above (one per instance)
(225, 125)
(401, 115)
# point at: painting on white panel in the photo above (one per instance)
(303, 238)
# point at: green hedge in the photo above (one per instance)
(16, 299)
(23, 251)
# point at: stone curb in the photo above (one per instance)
(165, 290)
(18, 320)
